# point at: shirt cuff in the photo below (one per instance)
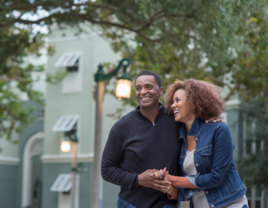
(192, 179)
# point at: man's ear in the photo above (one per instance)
(161, 90)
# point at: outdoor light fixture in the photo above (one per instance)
(123, 89)
(67, 124)
(65, 146)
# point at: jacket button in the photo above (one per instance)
(206, 192)
(196, 139)
(196, 164)
(212, 205)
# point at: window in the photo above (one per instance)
(40, 114)
(65, 123)
(70, 61)
(63, 183)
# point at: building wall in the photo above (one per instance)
(236, 124)
(11, 161)
(95, 50)
(35, 127)
(50, 199)
(8, 185)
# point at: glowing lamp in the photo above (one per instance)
(123, 87)
(65, 146)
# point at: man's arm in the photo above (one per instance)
(111, 171)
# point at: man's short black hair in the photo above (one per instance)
(148, 72)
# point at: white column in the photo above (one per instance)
(97, 191)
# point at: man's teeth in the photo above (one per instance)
(176, 112)
(145, 98)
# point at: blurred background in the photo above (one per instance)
(50, 52)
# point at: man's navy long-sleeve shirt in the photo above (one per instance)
(135, 144)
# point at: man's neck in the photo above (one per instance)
(150, 113)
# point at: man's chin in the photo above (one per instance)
(148, 105)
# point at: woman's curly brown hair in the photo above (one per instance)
(204, 98)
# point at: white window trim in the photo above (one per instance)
(63, 183)
(68, 59)
(61, 124)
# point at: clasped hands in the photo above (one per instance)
(156, 179)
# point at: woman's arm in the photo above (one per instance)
(222, 157)
(182, 182)
(176, 181)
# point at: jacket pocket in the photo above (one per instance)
(207, 157)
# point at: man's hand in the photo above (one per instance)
(148, 180)
(163, 174)
(215, 120)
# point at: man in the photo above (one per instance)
(143, 140)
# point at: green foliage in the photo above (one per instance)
(224, 42)
(15, 78)
(254, 164)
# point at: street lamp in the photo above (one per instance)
(123, 86)
(65, 146)
(70, 136)
(123, 89)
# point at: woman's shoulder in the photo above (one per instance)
(217, 127)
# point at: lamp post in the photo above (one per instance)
(123, 88)
(70, 136)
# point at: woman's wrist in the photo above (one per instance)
(170, 190)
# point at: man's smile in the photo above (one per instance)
(146, 98)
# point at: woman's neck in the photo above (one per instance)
(189, 122)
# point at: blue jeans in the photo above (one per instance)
(123, 204)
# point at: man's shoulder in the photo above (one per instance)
(125, 119)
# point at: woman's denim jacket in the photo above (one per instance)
(213, 158)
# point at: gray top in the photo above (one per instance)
(199, 199)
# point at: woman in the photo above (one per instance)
(206, 158)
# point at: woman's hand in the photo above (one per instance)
(148, 180)
(215, 120)
(164, 176)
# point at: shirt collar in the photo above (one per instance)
(160, 106)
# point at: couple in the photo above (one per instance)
(158, 162)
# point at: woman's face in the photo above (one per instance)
(180, 106)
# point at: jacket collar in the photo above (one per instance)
(160, 106)
(194, 130)
(161, 109)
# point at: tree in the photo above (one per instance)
(253, 166)
(223, 42)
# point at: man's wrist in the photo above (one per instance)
(140, 180)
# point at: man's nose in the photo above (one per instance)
(143, 90)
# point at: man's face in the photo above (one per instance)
(147, 91)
